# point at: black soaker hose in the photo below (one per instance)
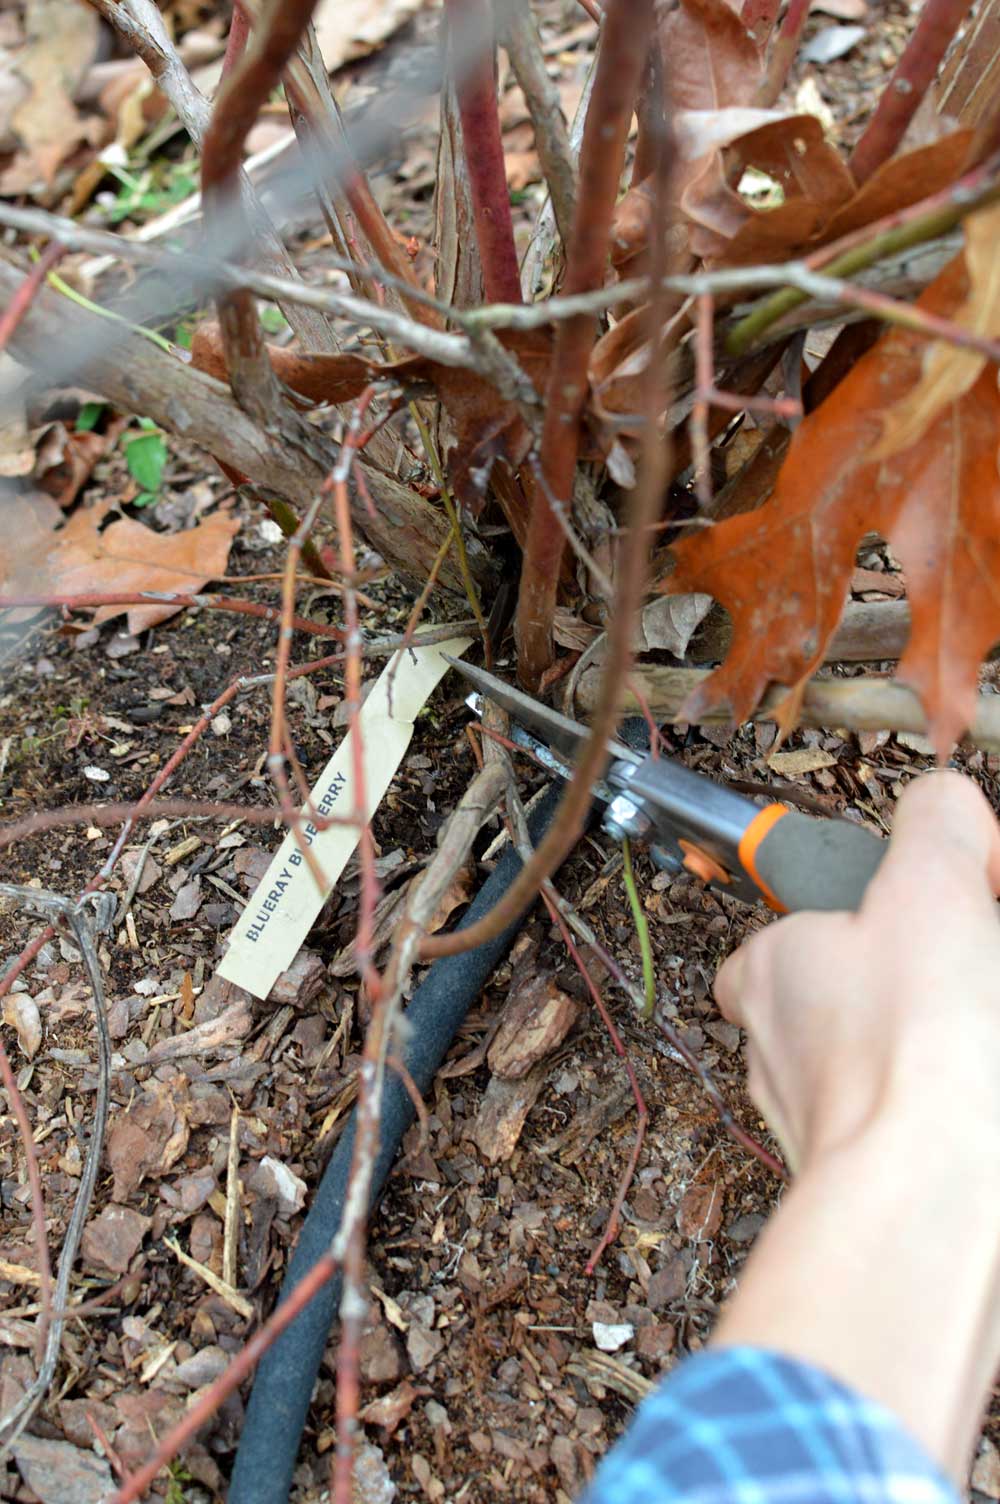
(279, 1402)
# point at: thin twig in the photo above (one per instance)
(621, 57)
(16, 1104)
(79, 919)
(555, 154)
(471, 25)
(641, 928)
(644, 506)
(28, 290)
(937, 24)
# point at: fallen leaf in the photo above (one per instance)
(486, 428)
(64, 461)
(948, 369)
(20, 1012)
(783, 572)
(458, 892)
(80, 558)
(800, 224)
(671, 631)
(62, 38)
(347, 29)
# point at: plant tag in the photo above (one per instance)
(285, 903)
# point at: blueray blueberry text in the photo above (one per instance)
(272, 899)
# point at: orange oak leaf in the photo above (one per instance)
(783, 572)
(81, 559)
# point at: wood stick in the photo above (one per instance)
(138, 377)
(874, 704)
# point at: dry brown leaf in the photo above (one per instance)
(20, 1013)
(62, 38)
(458, 892)
(125, 556)
(346, 29)
(783, 572)
(949, 371)
(64, 460)
(671, 631)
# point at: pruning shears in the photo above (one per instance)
(691, 823)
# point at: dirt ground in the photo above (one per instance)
(483, 1367)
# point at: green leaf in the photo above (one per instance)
(145, 499)
(89, 416)
(272, 319)
(145, 456)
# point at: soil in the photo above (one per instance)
(483, 1369)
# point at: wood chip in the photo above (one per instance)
(803, 760)
(181, 850)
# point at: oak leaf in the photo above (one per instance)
(81, 559)
(784, 571)
(950, 370)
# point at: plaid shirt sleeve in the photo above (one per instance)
(743, 1426)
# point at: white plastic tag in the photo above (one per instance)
(286, 902)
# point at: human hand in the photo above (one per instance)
(894, 1010)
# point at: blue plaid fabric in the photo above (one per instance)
(743, 1426)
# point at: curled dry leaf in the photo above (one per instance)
(783, 572)
(20, 1013)
(485, 426)
(804, 223)
(949, 371)
(671, 630)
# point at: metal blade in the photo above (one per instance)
(558, 731)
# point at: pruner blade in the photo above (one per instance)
(558, 731)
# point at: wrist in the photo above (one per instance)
(882, 1266)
